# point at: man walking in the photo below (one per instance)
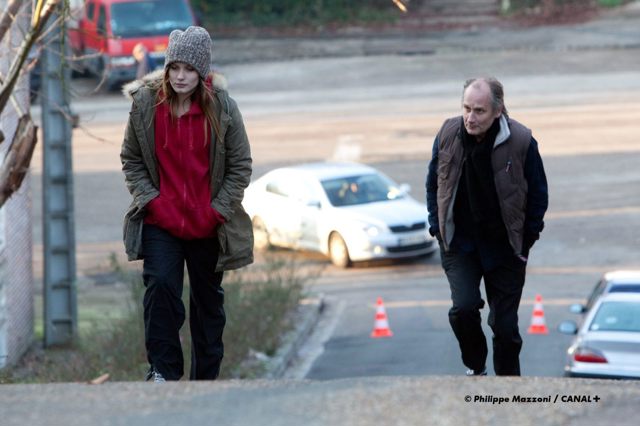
(146, 64)
(487, 196)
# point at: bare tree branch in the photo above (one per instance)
(44, 10)
(18, 157)
(8, 16)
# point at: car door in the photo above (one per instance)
(306, 194)
(291, 211)
(280, 212)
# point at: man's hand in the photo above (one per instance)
(528, 241)
(436, 235)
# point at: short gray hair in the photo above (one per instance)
(496, 89)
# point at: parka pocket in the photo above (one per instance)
(236, 236)
(132, 232)
(222, 238)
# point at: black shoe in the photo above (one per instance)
(471, 372)
(152, 374)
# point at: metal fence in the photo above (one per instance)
(16, 277)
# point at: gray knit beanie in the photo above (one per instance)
(191, 46)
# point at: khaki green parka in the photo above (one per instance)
(230, 165)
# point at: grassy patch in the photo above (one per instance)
(259, 302)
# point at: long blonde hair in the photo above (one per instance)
(203, 95)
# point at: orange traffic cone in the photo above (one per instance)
(538, 325)
(381, 326)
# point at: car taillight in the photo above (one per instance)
(589, 355)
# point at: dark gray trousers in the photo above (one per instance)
(165, 257)
(503, 286)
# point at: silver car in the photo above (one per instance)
(347, 211)
(607, 344)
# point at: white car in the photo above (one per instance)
(348, 211)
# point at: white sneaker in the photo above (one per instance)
(471, 372)
(155, 376)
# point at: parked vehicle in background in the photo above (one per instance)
(607, 344)
(611, 282)
(350, 212)
(102, 34)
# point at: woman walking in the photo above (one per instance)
(186, 161)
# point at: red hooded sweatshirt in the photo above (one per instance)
(182, 149)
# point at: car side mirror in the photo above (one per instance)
(577, 308)
(568, 327)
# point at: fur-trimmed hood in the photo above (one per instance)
(154, 79)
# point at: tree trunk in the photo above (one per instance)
(16, 162)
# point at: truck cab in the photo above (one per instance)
(104, 33)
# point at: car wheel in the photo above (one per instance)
(338, 251)
(261, 240)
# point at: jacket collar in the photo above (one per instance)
(503, 133)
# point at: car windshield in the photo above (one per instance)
(360, 189)
(617, 316)
(149, 18)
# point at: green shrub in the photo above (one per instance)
(610, 3)
(259, 306)
(291, 12)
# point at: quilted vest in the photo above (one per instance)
(508, 158)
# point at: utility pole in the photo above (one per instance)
(60, 300)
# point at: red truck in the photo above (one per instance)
(102, 34)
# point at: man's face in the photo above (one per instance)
(476, 109)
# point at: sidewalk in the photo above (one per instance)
(437, 400)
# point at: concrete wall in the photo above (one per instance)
(16, 277)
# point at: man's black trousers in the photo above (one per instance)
(164, 313)
(503, 286)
